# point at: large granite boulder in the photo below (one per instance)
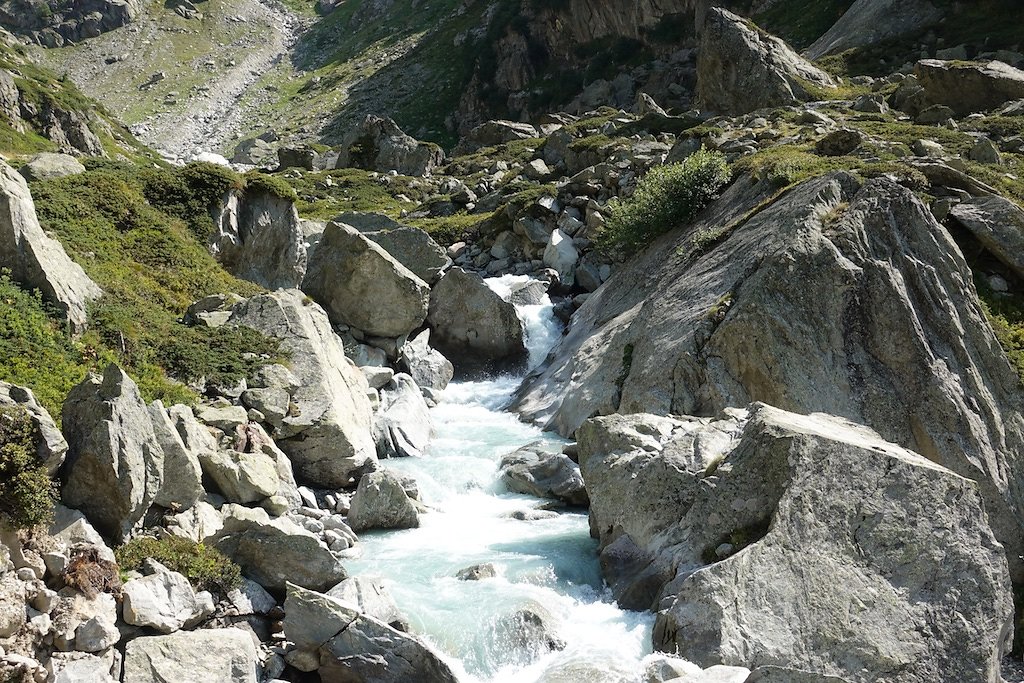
(998, 224)
(51, 447)
(402, 425)
(50, 165)
(539, 472)
(472, 323)
(969, 87)
(361, 285)
(355, 647)
(414, 249)
(371, 598)
(741, 68)
(164, 601)
(868, 22)
(805, 542)
(225, 655)
(381, 502)
(259, 238)
(378, 144)
(870, 315)
(35, 260)
(273, 552)
(115, 466)
(328, 434)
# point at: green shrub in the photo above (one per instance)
(1006, 315)
(205, 567)
(260, 182)
(27, 493)
(666, 198)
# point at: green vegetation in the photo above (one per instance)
(36, 351)
(1006, 315)
(26, 492)
(665, 198)
(205, 567)
(145, 256)
(801, 22)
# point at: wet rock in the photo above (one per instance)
(372, 599)
(427, 366)
(472, 323)
(402, 423)
(477, 572)
(380, 502)
(537, 472)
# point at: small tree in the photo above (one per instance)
(27, 493)
(666, 198)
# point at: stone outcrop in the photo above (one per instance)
(741, 68)
(378, 144)
(163, 601)
(402, 423)
(372, 599)
(259, 238)
(328, 434)
(51, 446)
(115, 466)
(183, 475)
(871, 316)
(868, 22)
(225, 655)
(65, 24)
(35, 260)
(472, 323)
(361, 285)
(538, 472)
(762, 527)
(998, 224)
(47, 166)
(968, 87)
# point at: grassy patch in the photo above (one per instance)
(322, 196)
(801, 22)
(151, 267)
(205, 567)
(1006, 315)
(665, 198)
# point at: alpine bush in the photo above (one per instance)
(206, 568)
(27, 493)
(667, 197)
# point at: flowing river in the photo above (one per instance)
(546, 565)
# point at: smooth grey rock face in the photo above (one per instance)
(414, 249)
(537, 472)
(216, 655)
(472, 323)
(402, 424)
(378, 144)
(82, 668)
(882, 561)
(998, 224)
(51, 447)
(114, 469)
(427, 366)
(871, 21)
(969, 87)
(259, 238)
(741, 68)
(35, 260)
(328, 434)
(361, 285)
(241, 477)
(871, 316)
(381, 502)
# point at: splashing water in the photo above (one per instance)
(544, 564)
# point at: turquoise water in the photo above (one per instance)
(548, 565)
